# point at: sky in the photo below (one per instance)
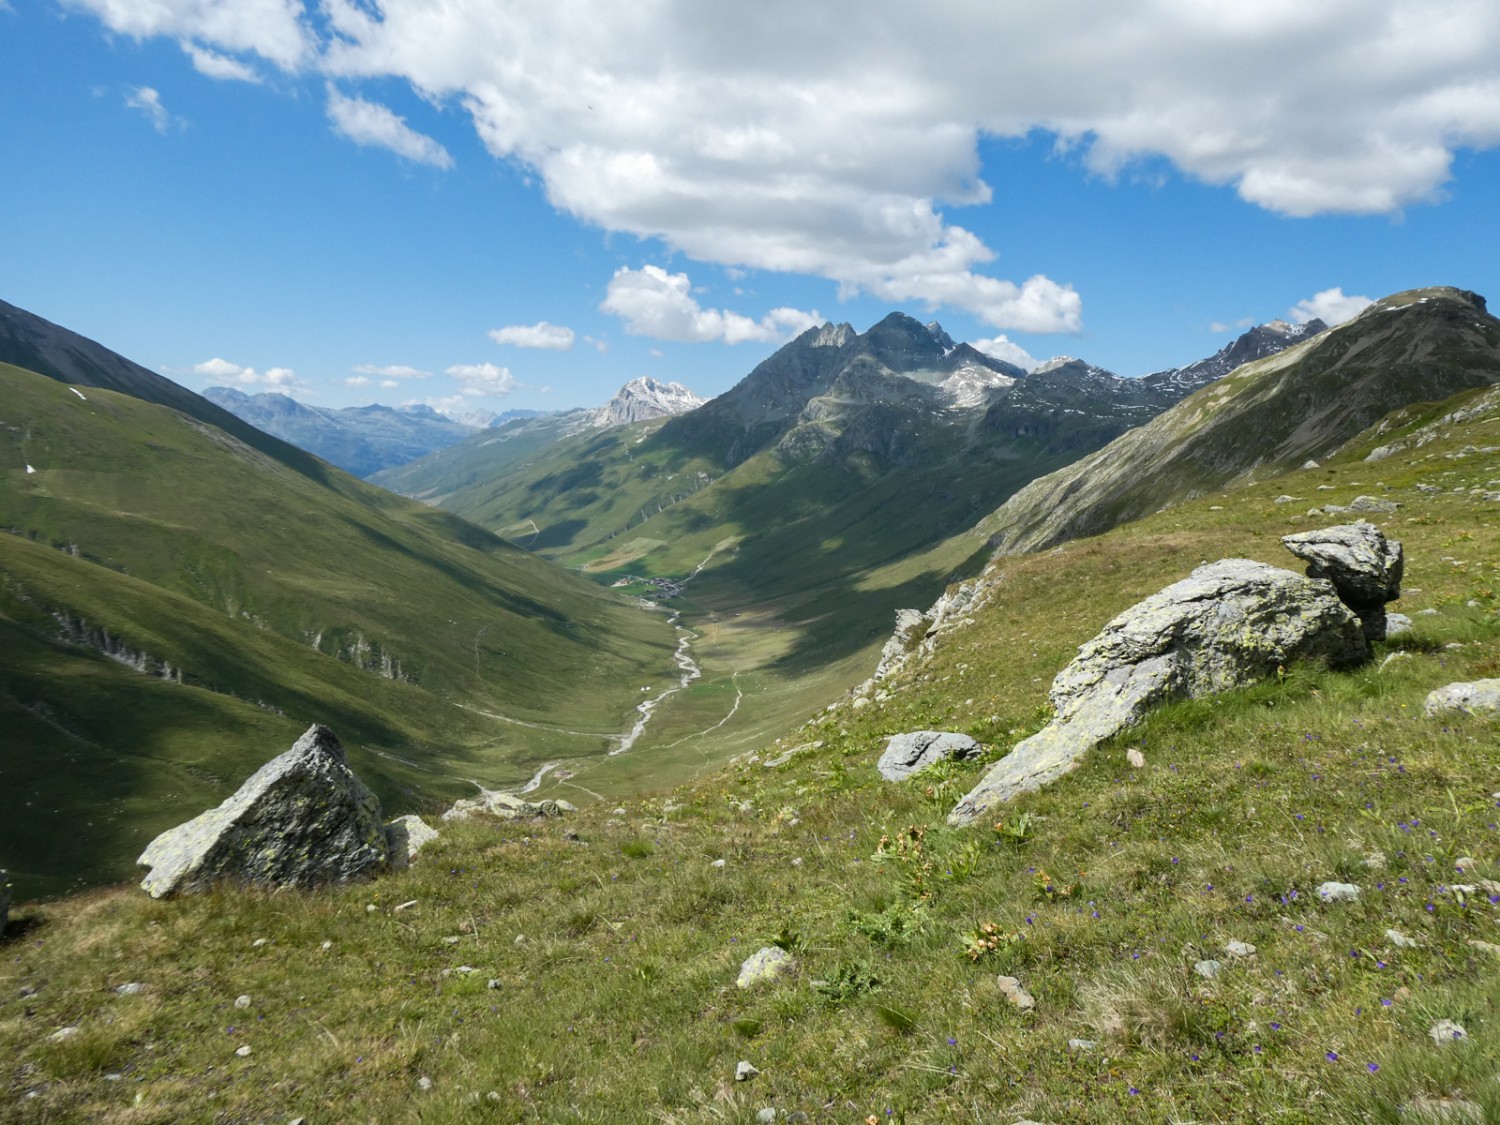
(494, 205)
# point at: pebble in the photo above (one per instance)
(1081, 1044)
(744, 1070)
(424, 1083)
(1208, 969)
(63, 1033)
(493, 982)
(1400, 940)
(1485, 947)
(129, 989)
(1446, 1031)
(327, 945)
(242, 1001)
(451, 939)
(1465, 863)
(717, 863)
(243, 1052)
(520, 940)
(1239, 949)
(618, 812)
(258, 942)
(1338, 892)
(1136, 759)
(407, 905)
(797, 862)
(767, 1114)
(371, 908)
(765, 965)
(1012, 990)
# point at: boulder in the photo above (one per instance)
(303, 819)
(1481, 697)
(906, 754)
(405, 837)
(765, 965)
(506, 806)
(1225, 625)
(1363, 565)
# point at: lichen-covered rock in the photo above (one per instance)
(1227, 624)
(765, 965)
(1481, 697)
(506, 806)
(303, 819)
(1363, 565)
(906, 754)
(405, 837)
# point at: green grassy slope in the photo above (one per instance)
(1100, 895)
(450, 646)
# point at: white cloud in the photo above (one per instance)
(215, 65)
(1004, 349)
(483, 380)
(389, 384)
(357, 381)
(148, 102)
(273, 29)
(658, 304)
(552, 337)
(1330, 306)
(1241, 324)
(221, 371)
(813, 140)
(600, 346)
(366, 123)
(393, 371)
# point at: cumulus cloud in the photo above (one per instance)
(148, 103)
(357, 381)
(215, 65)
(1003, 349)
(552, 337)
(812, 140)
(483, 380)
(370, 124)
(1330, 306)
(393, 371)
(658, 304)
(221, 371)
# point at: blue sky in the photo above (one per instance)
(355, 203)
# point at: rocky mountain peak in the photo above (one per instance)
(645, 398)
(830, 335)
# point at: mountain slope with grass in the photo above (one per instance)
(1265, 418)
(619, 936)
(171, 596)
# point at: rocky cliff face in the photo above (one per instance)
(642, 399)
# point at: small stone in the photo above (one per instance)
(242, 1001)
(744, 1070)
(765, 965)
(258, 942)
(451, 939)
(297, 1121)
(62, 1034)
(767, 1114)
(493, 1096)
(1012, 990)
(1286, 499)
(1481, 697)
(1081, 1044)
(407, 905)
(1465, 863)
(371, 908)
(797, 861)
(405, 837)
(243, 1052)
(129, 989)
(1309, 464)
(1401, 995)
(1485, 947)
(520, 940)
(907, 754)
(1239, 949)
(1428, 612)
(424, 1083)
(719, 863)
(1400, 940)
(1338, 892)
(1208, 969)
(618, 812)
(326, 946)
(1396, 624)
(1446, 1031)
(493, 982)
(1136, 759)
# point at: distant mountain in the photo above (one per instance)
(642, 399)
(358, 439)
(1260, 342)
(1266, 416)
(840, 454)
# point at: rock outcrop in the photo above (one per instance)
(506, 806)
(1363, 565)
(1481, 697)
(906, 754)
(303, 819)
(405, 837)
(1227, 624)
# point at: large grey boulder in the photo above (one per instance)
(1481, 697)
(1363, 565)
(906, 754)
(303, 819)
(1225, 625)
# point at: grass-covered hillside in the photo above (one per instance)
(173, 600)
(583, 969)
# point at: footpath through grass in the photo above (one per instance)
(583, 970)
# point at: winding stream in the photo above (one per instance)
(690, 671)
